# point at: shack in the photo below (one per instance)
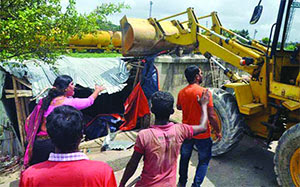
(22, 85)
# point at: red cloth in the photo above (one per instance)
(71, 173)
(136, 105)
(160, 145)
(191, 110)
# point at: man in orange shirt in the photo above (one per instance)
(187, 102)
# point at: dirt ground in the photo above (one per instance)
(246, 165)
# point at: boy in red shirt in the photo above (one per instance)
(67, 166)
(191, 113)
(160, 144)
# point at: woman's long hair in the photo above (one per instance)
(61, 83)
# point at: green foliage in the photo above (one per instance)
(244, 33)
(265, 40)
(37, 29)
(290, 47)
(109, 26)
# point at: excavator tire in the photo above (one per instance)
(287, 156)
(231, 121)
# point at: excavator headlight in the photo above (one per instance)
(246, 61)
(243, 62)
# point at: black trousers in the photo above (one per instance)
(41, 150)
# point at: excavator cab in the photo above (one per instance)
(286, 49)
(285, 53)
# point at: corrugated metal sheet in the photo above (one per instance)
(110, 72)
(2, 80)
(120, 145)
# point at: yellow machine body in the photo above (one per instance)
(116, 39)
(141, 37)
(269, 102)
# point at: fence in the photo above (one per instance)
(10, 148)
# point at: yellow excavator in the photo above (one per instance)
(268, 105)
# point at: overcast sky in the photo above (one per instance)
(233, 14)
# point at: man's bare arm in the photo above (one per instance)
(197, 129)
(131, 167)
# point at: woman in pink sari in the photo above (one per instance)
(39, 144)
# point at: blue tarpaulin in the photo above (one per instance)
(98, 127)
(149, 80)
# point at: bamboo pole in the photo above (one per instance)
(23, 112)
(24, 83)
(18, 109)
(23, 103)
(136, 79)
(27, 112)
(11, 142)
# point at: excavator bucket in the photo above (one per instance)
(140, 38)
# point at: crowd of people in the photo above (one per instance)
(55, 128)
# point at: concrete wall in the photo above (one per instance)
(171, 72)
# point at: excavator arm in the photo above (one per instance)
(146, 37)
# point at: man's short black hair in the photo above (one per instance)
(162, 104)
(191, 72)
(65, 128)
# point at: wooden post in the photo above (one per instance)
(19, 114)
(24, 100)
(23, 103)
(26, 103)
(136, 79)
(11, 142)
